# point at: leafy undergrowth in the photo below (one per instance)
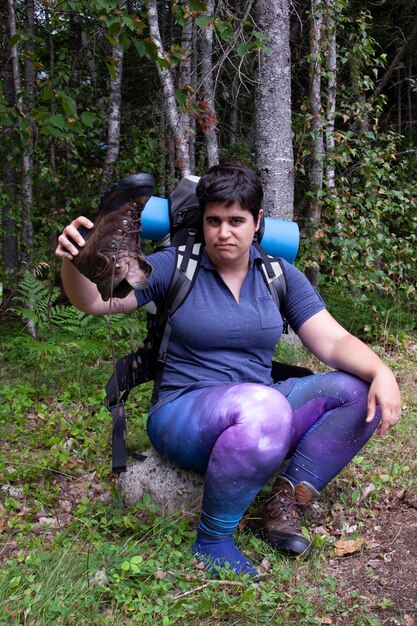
(72, 553)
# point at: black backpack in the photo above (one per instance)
(147, 362)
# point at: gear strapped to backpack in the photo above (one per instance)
(147, 363)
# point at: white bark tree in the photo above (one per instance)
(173, 117)
(274, 151)
(26, 139)
(185, 83)
(115, 110)
(317, 143)
(331, 70)
(209, 89)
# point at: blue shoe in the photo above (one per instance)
(217, 553)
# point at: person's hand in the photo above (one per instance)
(384, 392)
(65, 248)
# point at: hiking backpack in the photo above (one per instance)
(147, 362)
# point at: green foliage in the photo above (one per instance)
(140, 149)
(63, 332)
(383, 319)
(80, 558)
(368, 233)
(366, 241)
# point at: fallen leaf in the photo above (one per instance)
(366, 491)
(265, 565)
(347, 546)
(409, 621)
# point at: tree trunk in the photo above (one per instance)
(182, 156)
(208, 90)
(9, 247)
(331, 69)
(27, 149)
(10, 252)
(52, 145)
(234, 112)
(317, 144)
(74, 45)
(410, 100)
(185, 83)
(274, 152)
(26, 138)
(115, 111)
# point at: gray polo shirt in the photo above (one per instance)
(216, 341)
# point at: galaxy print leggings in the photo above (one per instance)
(239, 435)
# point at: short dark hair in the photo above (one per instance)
(231, 182)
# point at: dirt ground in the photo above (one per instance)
(383, 570)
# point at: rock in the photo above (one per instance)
(170, 487)
(291, 338)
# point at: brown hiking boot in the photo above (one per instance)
(280, 517)
(111, 257)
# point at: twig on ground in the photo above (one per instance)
(207, 584)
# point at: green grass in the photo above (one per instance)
(72, 553)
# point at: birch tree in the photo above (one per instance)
(316, 131)
(115, 108)
(26, 141)
(331, 70)
(168, 89)
(212, 144)
(185, 84)
(274, 151)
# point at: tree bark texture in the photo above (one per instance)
(115, 113)
(316, 108)
(180, 140)
(9, 240)
(331, 70)
(317, 142)
(209, 90)
(274, 151)
(27, 149)
(185, 82)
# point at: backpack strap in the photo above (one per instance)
(188, 261)
(273, 275)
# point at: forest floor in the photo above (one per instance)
(378, 565)
(72, 553)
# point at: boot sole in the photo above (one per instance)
(290, 545)
(131, 187)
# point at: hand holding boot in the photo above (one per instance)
(70, 240)
(109, 252)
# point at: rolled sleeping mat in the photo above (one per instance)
(281, 238)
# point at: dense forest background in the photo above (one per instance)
(320, 97)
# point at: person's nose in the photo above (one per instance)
(224, 230)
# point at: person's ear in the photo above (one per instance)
(261, 212)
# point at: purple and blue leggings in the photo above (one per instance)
(239, 435)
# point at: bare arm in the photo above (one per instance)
(336, 347)
(82, 293)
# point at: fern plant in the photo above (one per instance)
(62, 331)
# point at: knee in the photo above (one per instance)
(265, 409)
(348, 388)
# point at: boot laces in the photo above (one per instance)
(286, 506)
(132, 226)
